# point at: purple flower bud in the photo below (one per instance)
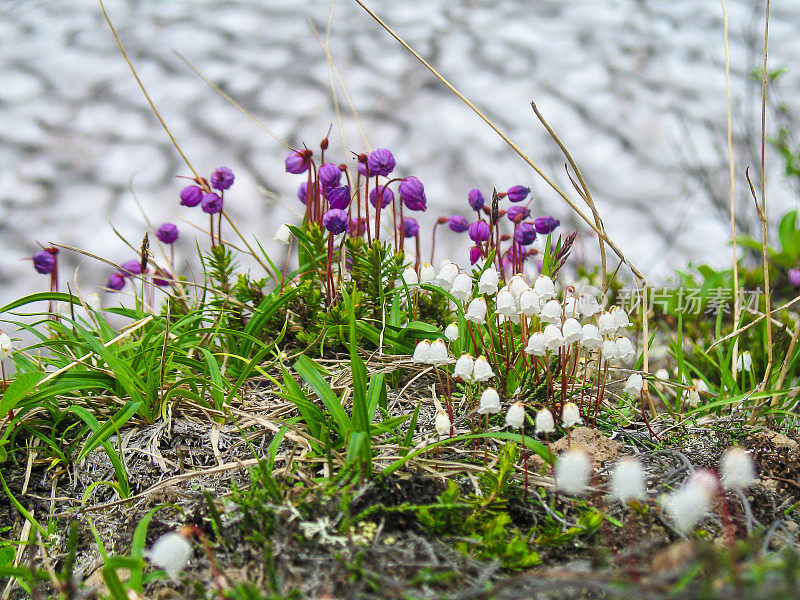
(222, 178)
(297, 162)
(116, 282)
(336, 221)
(410, 227)
(474, 254)
(476, 200)
(167, 233)
(412, 193)
(518, 213)
(381, 162)
(339, 197)
(518, 193)
(458, 223)
(302, 192)
(131, 267)
(44, 262)
(163, 282)
(362, 165)
(191, 195)
(525, 234)
(794, 277)
(329, 175)
(212, 204)
(479, 231)
(546, 224)
(387, 196)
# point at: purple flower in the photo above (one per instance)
(297, 162)
(387, 196)
(525, 234)
(336, 221)
(794, 277)
(476, 200)
(362, 164)
(339, 197)
(518, 193)
(191, 195)
(302, 192)
(167, 233)
(222, 178)
(116, 282)
(546, 224)
(163, 282)
(380, 162)
(479, 231)
(474, 254)
(329, 175)
(131, 267)
(44, 262)
(212, 204)
(412, 193)
(410, 227)
(458, 223)
(518, 213)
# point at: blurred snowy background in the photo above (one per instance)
(635, 88)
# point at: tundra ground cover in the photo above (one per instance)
(364, 418)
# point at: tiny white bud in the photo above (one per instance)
(570, 415)
(490, 402)
(283, 235)
(628, 480)
(464, 367)
(170, 552)
(737, 469)
(545, 422)
(442, 423)
(515, 417)
(451, 332)
(662, 374)
(482, 370)
(701, 386)
(634, 384)
(572, 472)
(690, 503)
(488, 282)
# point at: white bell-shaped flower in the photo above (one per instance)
(591, 338)
(544, 287)
(633, 385)
(588, 305)
(572, 472)
(570, 415)
(744, 362)
(692, 397)
(572, 330)
(505, 303)
(701, 386)
(451, 332)
(489, 281)
(171, 552)
(438, 353)
(426, 273)
(462, 287)
(410, 276)
(551, 312)
(446, 275)
(490, 402)
(620, 317)
(482, 371)
(422, 353)
(545, 422)
(607, 324)
(737, 469)
(7, 346)
(662, 375)
(517, 285)
(476, 311)
(609, 350)
(625, 349)
(628, 480)
(536, 345)
(442, 423)
(553, 338)
(515, 417)
(283, 235)
(529, 303)
(464, 367)
(570, 307)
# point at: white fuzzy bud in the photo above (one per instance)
(572, 472)
(545, 422)
(628, 480)
(515, 417)
(570, 415)
(170, 552)
(490, 402)
(687, 505)
(737, 469)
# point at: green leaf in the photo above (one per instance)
(308, 371)
(18, 389)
